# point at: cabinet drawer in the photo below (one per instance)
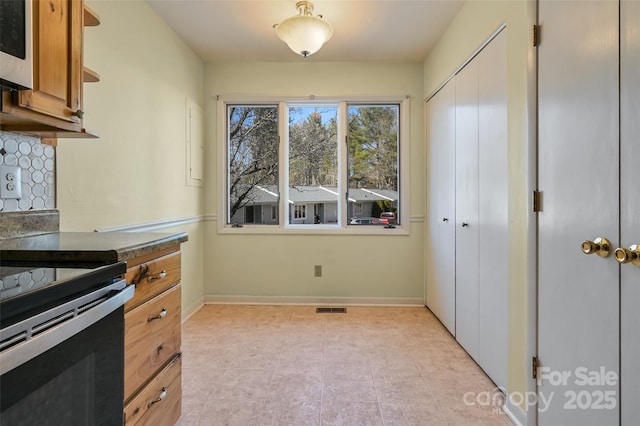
(151, 338)
(152, 278)
(166, 411)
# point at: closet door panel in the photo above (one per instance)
(630, 209)
(493, 209)
(467, 331)
(578, 150)
(440, 249)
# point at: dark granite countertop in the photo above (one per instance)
(107, 247)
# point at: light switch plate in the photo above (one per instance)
(10, 182)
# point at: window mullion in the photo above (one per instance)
(283, 128)
(343, 125)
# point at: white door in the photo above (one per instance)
(440, 250)
(630, 209)
(467, 326)
(493, 209)
(578, 294)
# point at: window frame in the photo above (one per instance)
(342, 227)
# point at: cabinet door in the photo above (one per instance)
(441, 250)
(57, 53)
(630, 209)
(467, 331)
(493, 220)
(578, 294)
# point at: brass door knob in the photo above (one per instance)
(630, 255)
(600, 246)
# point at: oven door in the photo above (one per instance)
(69, 372)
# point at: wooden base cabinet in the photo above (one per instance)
(160, 401)
(152, 381)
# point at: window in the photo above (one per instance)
(252, 159)
(341, 160)
(372, 145)
(313, 158)
(300, 211)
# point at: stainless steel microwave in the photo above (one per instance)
(16, 69)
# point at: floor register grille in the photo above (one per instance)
(331, 310)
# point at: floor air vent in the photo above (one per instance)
(331, 310)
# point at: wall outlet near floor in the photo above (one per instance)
(10, 182)
(317, 270)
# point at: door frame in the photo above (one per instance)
(532, 215)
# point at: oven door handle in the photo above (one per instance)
(59, 324)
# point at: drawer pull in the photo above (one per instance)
(162, 314)
(160, 276)
(160, 397)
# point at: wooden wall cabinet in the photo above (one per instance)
(53, 108)
(153, 379)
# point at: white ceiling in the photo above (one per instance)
(364, 30)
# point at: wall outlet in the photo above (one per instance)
(10, 182)
(317, 270)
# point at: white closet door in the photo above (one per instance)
(441, 250)
(578, 148)
(493, 209)
(630, 209)
(467, 329)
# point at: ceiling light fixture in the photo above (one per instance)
(304, 33)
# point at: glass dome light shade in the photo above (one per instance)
(304, 34)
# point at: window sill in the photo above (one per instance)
(312, 230)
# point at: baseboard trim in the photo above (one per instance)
(314, 300)
(515, 413)
(190, 310)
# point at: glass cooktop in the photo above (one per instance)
(25, 287)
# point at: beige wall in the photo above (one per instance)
(475, 22)
(135, 172)
(282, 265)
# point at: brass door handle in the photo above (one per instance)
(600, 246)
(630, 255)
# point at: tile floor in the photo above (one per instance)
(288, 365)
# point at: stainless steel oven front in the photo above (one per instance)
(62, 363)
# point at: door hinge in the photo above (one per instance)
(536, 33)
(534, 367)
(537, 201)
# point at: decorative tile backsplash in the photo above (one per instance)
(38, 171)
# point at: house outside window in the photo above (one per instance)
(284, 157)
